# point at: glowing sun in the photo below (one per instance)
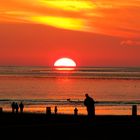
(64, 62)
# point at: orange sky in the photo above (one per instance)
(91, 32)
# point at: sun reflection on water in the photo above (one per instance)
(67, 69)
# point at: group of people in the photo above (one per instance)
(88, 102)
(15, 107)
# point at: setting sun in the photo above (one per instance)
(65, 62)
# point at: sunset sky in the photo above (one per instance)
(91, 32)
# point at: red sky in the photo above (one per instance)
(92, 33)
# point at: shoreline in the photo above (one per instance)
(100, 110)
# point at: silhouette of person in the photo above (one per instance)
(16, 107)
(21, 106)
(55, 109)
(13, 107)
(90, 104)
(75, 111)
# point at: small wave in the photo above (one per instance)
(65, 102)
(82, 72)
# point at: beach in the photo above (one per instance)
(68, 126)
(69, 69)
(115, 90)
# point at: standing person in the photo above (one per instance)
(90, 104)
(75, 111)
(21, 106)
(13, 107)
(55, 109)
(16, 107)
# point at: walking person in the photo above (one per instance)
(16, 107)
(13, 107)
(21, 106)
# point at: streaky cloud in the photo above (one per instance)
(115, 18)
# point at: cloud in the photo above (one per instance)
(101, 17)
(130, 43)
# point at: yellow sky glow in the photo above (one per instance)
(72, 5)
(60, 22)
(117, 18)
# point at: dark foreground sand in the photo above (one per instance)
(43, 126)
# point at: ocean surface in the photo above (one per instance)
(115, 89)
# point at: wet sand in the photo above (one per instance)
(68, 126)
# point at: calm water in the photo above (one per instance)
(115, 89)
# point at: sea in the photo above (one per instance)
(114, 89)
